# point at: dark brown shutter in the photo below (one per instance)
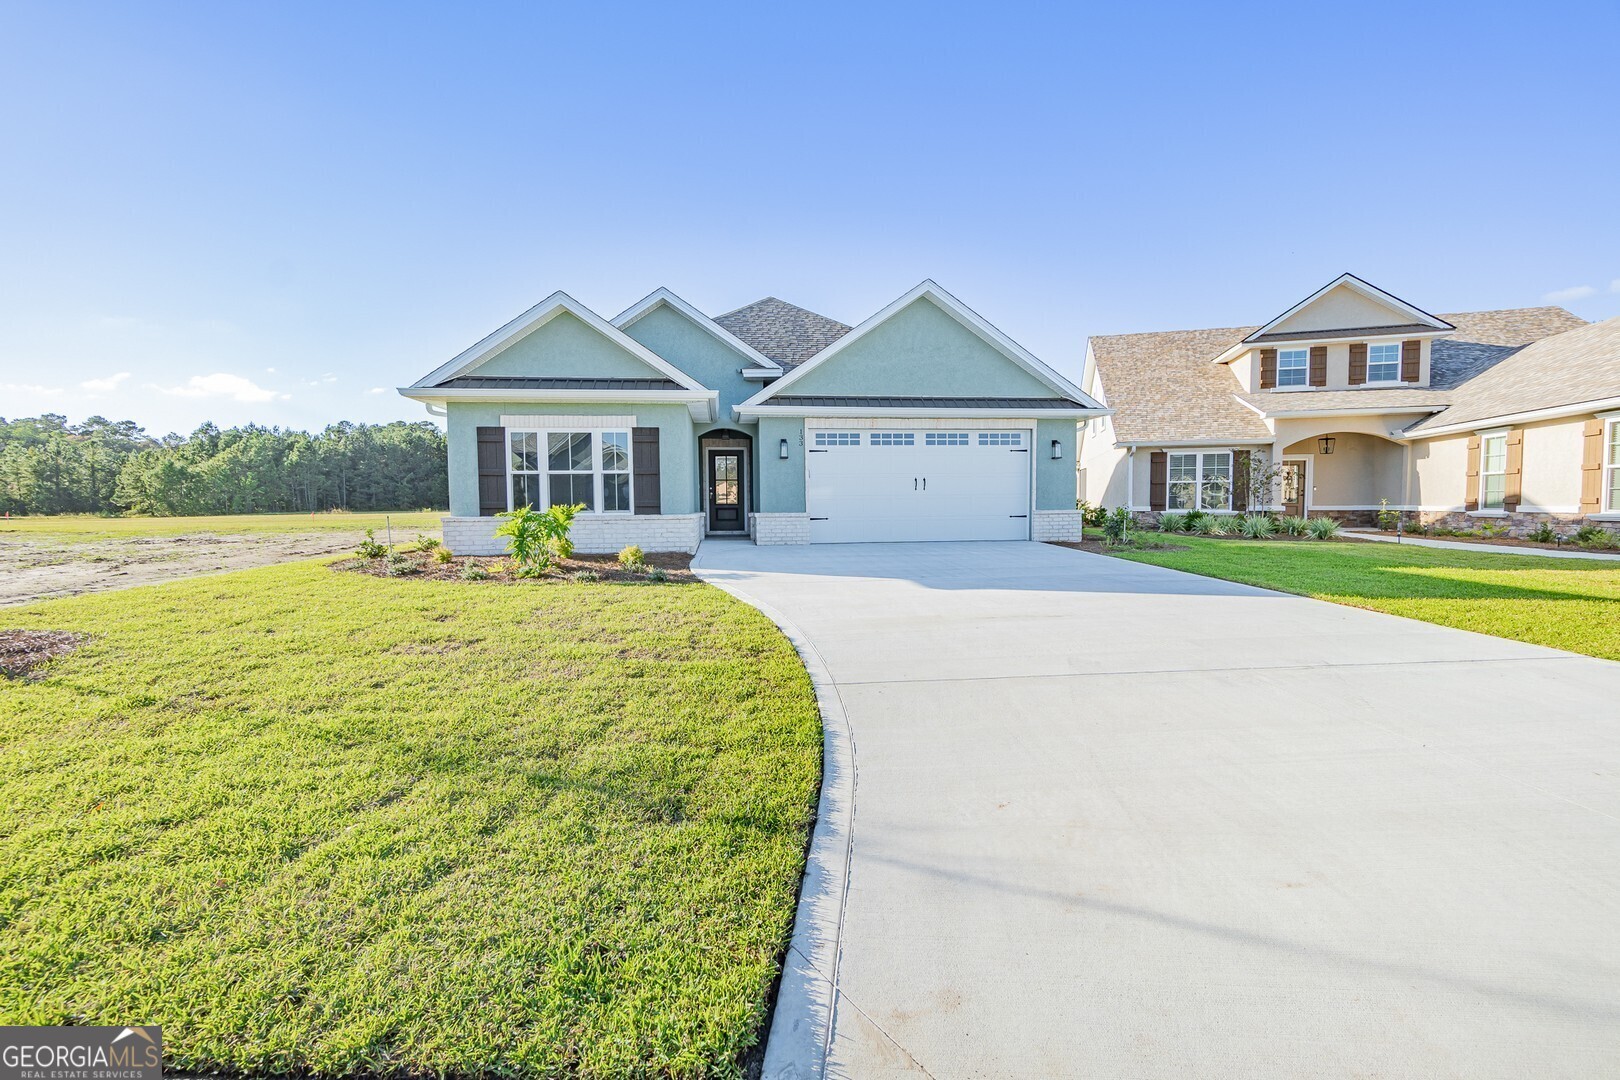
(644, 460)
(1358, 363)
(491, 471)
(1318, 365)
(1240, 479)
(1411, 360)
(1471, 492)
(1268, 368)
(1592, 468)
(1511, 483)
(1158, 475)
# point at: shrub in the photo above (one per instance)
(1594, 536)
(633, 558)
(1193, 518)
(1222, 525)
(1293, 526)
(1257, 526)
(424, 542)
(535, 537)
(657, 576)
(371, 547)
(1172, 522)
(442, 555)
(1323, 528)
(1091, 517)
(1490, 530)
(399, 565)
(586, 575)
(471, 571)
(1204, 525)
(1116, 527)
(1543, 533)
(1388, 519)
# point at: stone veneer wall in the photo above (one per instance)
(1056, 525)
(592, 535)
(1518, 524)
(780, 528)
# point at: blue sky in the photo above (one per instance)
(278, 212)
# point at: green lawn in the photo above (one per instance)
(1569, 604)
(90, 527)
(318, 821)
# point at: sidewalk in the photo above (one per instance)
(1498, 549)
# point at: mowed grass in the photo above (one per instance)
(406, 524)
(313, 821)
(1565, 603)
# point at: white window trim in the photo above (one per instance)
(544, 473)
(1484, 437)
(1306, 369)
(1371, 345)
(1200, 453)
(1610, 469)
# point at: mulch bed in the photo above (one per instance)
(1097, 547)
(1498, 541)
(22, 650)
(422, 566)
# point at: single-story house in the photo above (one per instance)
(1353, 400)
(924, 422)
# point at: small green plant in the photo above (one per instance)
(424, 542)
(399, 564)
(371, 547)
(1417, 528)
(1222, 525)
(1257, 526)
(1491, 530)
(1323, 528)
(1116, 527)
(1172, 522)
(472, 571)
(1193, 518)
(633, 558)
(1543, 533)
(1204, 525)
(657, 576)
(1388, 517)
(1091, 517)
(536, 537)
(1594, 536)
(1293, 526)
(585, 575)
(442, 555)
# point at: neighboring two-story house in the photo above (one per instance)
(1360, 399)
(924, 422)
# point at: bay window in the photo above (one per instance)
(1199, 481)
(1293, 367)
(567, 468)
(1492, 471)
(1384, 362)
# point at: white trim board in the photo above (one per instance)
(957, 310)
(531, 421)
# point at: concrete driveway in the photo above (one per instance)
(1090, 818)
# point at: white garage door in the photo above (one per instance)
(864, 485)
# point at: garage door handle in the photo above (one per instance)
(1024, 451)
(925, 483)
(913, 483)
(1018, 515)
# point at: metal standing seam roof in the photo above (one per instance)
(522, 382)
(1002, 403)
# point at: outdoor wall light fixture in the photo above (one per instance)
(781, 449)
(1324, 446)
(1057, 449)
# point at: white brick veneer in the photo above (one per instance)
(1056, 525)
(780, 528)
(593, 534)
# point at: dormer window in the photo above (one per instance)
(1293, 367)
(1384, 362)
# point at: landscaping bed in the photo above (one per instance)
(428, 565)
(317, 824)
(1499, 541)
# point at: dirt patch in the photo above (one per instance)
(675, 567)
(23, 650)
(44, 567)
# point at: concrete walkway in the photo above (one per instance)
(1499, 549)
(1090, 818)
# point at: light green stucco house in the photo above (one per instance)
(924, 422)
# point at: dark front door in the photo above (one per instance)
(726, 491)
(1293, 488)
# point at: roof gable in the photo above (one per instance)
(926, 343)
(662, 299)
(1348, 304)
(559, 338)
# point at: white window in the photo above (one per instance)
(893, 438)
(565, 468)
(1611, 466)
(1384, 362)
(1001, 438)
(1492, 471)
(1293, 367)
(945, 438)
(838, 438)
(1199, 481)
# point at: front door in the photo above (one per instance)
(726, 491)
(1293, 488)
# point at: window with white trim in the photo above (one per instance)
(1199, 481)
(1001, 438)
(893, 438)
(838, 438)
(1611, 466)
(566, 468)
(945, 438)
(1293, 367)
(1384, 362)
(1492, 471)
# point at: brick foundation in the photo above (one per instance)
(780, 528)
(592, 534)
(1061, 525)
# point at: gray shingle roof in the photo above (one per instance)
(1165, 389)
(1008, 404)
(788, 334)
(1576, 366)
(523, 382)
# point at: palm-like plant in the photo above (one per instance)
(1258, 526)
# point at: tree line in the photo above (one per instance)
(48, 466)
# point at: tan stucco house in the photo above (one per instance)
(1360, 398)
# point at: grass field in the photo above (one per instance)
(1566, 603)
(319, 821)
(90, 527)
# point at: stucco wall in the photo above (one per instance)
(698, 353)
(1054, 480)
(781, 483)
(1337, 309)
(566, 347)
(921, 351)
(1550, 480)
(676, 445)
(1361, 471)
(1246, 369)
